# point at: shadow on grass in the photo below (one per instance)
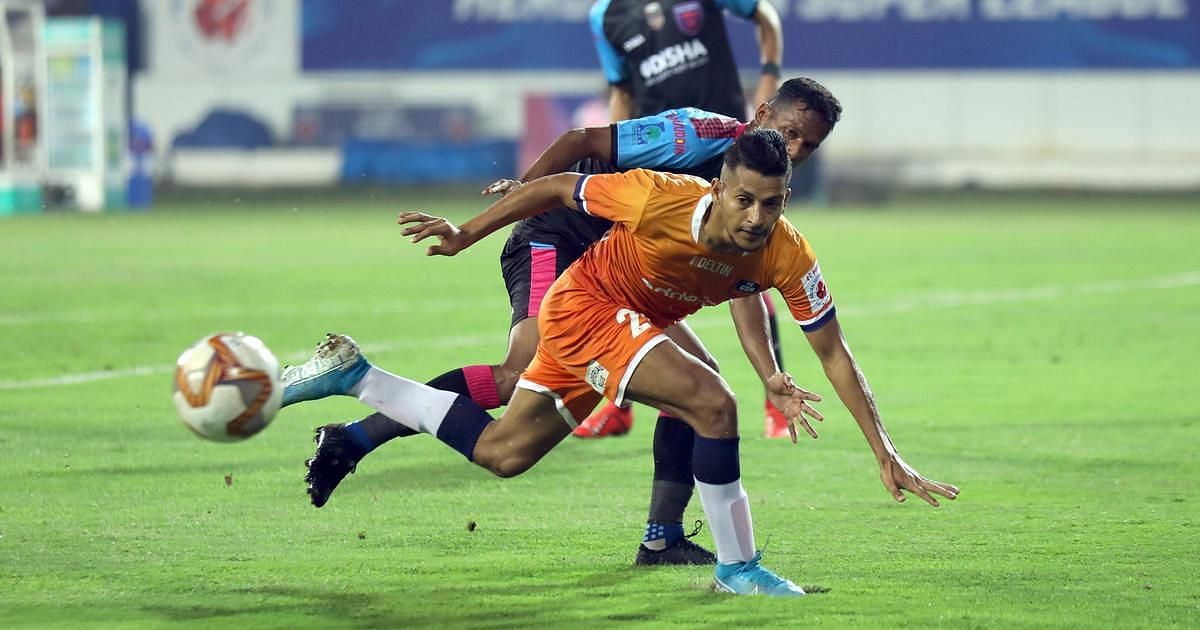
(522, 602)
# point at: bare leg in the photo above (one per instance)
(529, 428)
(522, 345)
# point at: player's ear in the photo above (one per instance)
(787, 194)
(717, 186)
(761, 113)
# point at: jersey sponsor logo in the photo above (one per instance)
(708, 264)
(814, 288)
(645, 133)
(673, 60)
(689, 17)
(680, 133)
(675, 294)
(596, 376)
(655, 18)
(747, 286)
(633, 42)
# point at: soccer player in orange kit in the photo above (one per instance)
(678, 243)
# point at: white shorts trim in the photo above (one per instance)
(633, 363)
(558, 401)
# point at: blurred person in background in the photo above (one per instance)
(675, 53)
(667, 54)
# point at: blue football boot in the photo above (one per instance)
(334, 369)
(751, 578)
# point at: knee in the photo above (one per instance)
(503, 465)
(716, 412)
(507, 469)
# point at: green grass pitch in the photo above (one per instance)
(1041, 353)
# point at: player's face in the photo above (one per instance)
(746, 207)
(803, 129)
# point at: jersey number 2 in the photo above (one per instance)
(636, 325)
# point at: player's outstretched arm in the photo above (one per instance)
(769, 31)
(536, 197)
(851, 386)
(750, 318)
(572, 146)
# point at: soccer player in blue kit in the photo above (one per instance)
(539, 249)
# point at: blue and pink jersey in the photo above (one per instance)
(687, 141)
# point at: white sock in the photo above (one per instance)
(728, 512)
(415, 405)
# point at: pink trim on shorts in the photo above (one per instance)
(481, 386)
(543, 261)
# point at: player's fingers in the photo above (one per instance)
(419, 225)
(807, 427)
(944, 489)
(808, 409)
(414, 228)
(890, 484)
(792, 431)
(919, 490)
(432, 229)
(807, 395)
(411, 217)
(500, 186)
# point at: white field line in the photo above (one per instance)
(924, 301)
(297, 355)
(276, 310)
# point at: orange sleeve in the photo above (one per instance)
(618, 197)
(797, 275)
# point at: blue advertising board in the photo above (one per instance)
(827, 34)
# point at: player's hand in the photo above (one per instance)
(898, 476)
(793, 401)
(421, 226)
(502, 187)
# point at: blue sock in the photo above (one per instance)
(660, 535)
(376, 430)
(358, 435)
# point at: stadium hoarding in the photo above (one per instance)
(827, 34)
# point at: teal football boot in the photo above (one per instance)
(751, 578)
(334, 369)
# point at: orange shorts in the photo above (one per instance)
(589, 348)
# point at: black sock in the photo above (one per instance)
(462, 426)
(376, 429)
(717, 460)
(453, 381)
(673, 478)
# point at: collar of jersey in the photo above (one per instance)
(698, 215)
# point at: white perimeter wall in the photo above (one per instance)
(1107, 129)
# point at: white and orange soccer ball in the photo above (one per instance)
(227, 387)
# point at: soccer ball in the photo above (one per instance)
(227, 387)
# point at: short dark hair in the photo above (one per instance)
(813, 94)
(760, 150)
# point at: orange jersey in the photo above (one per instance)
(652, 261)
